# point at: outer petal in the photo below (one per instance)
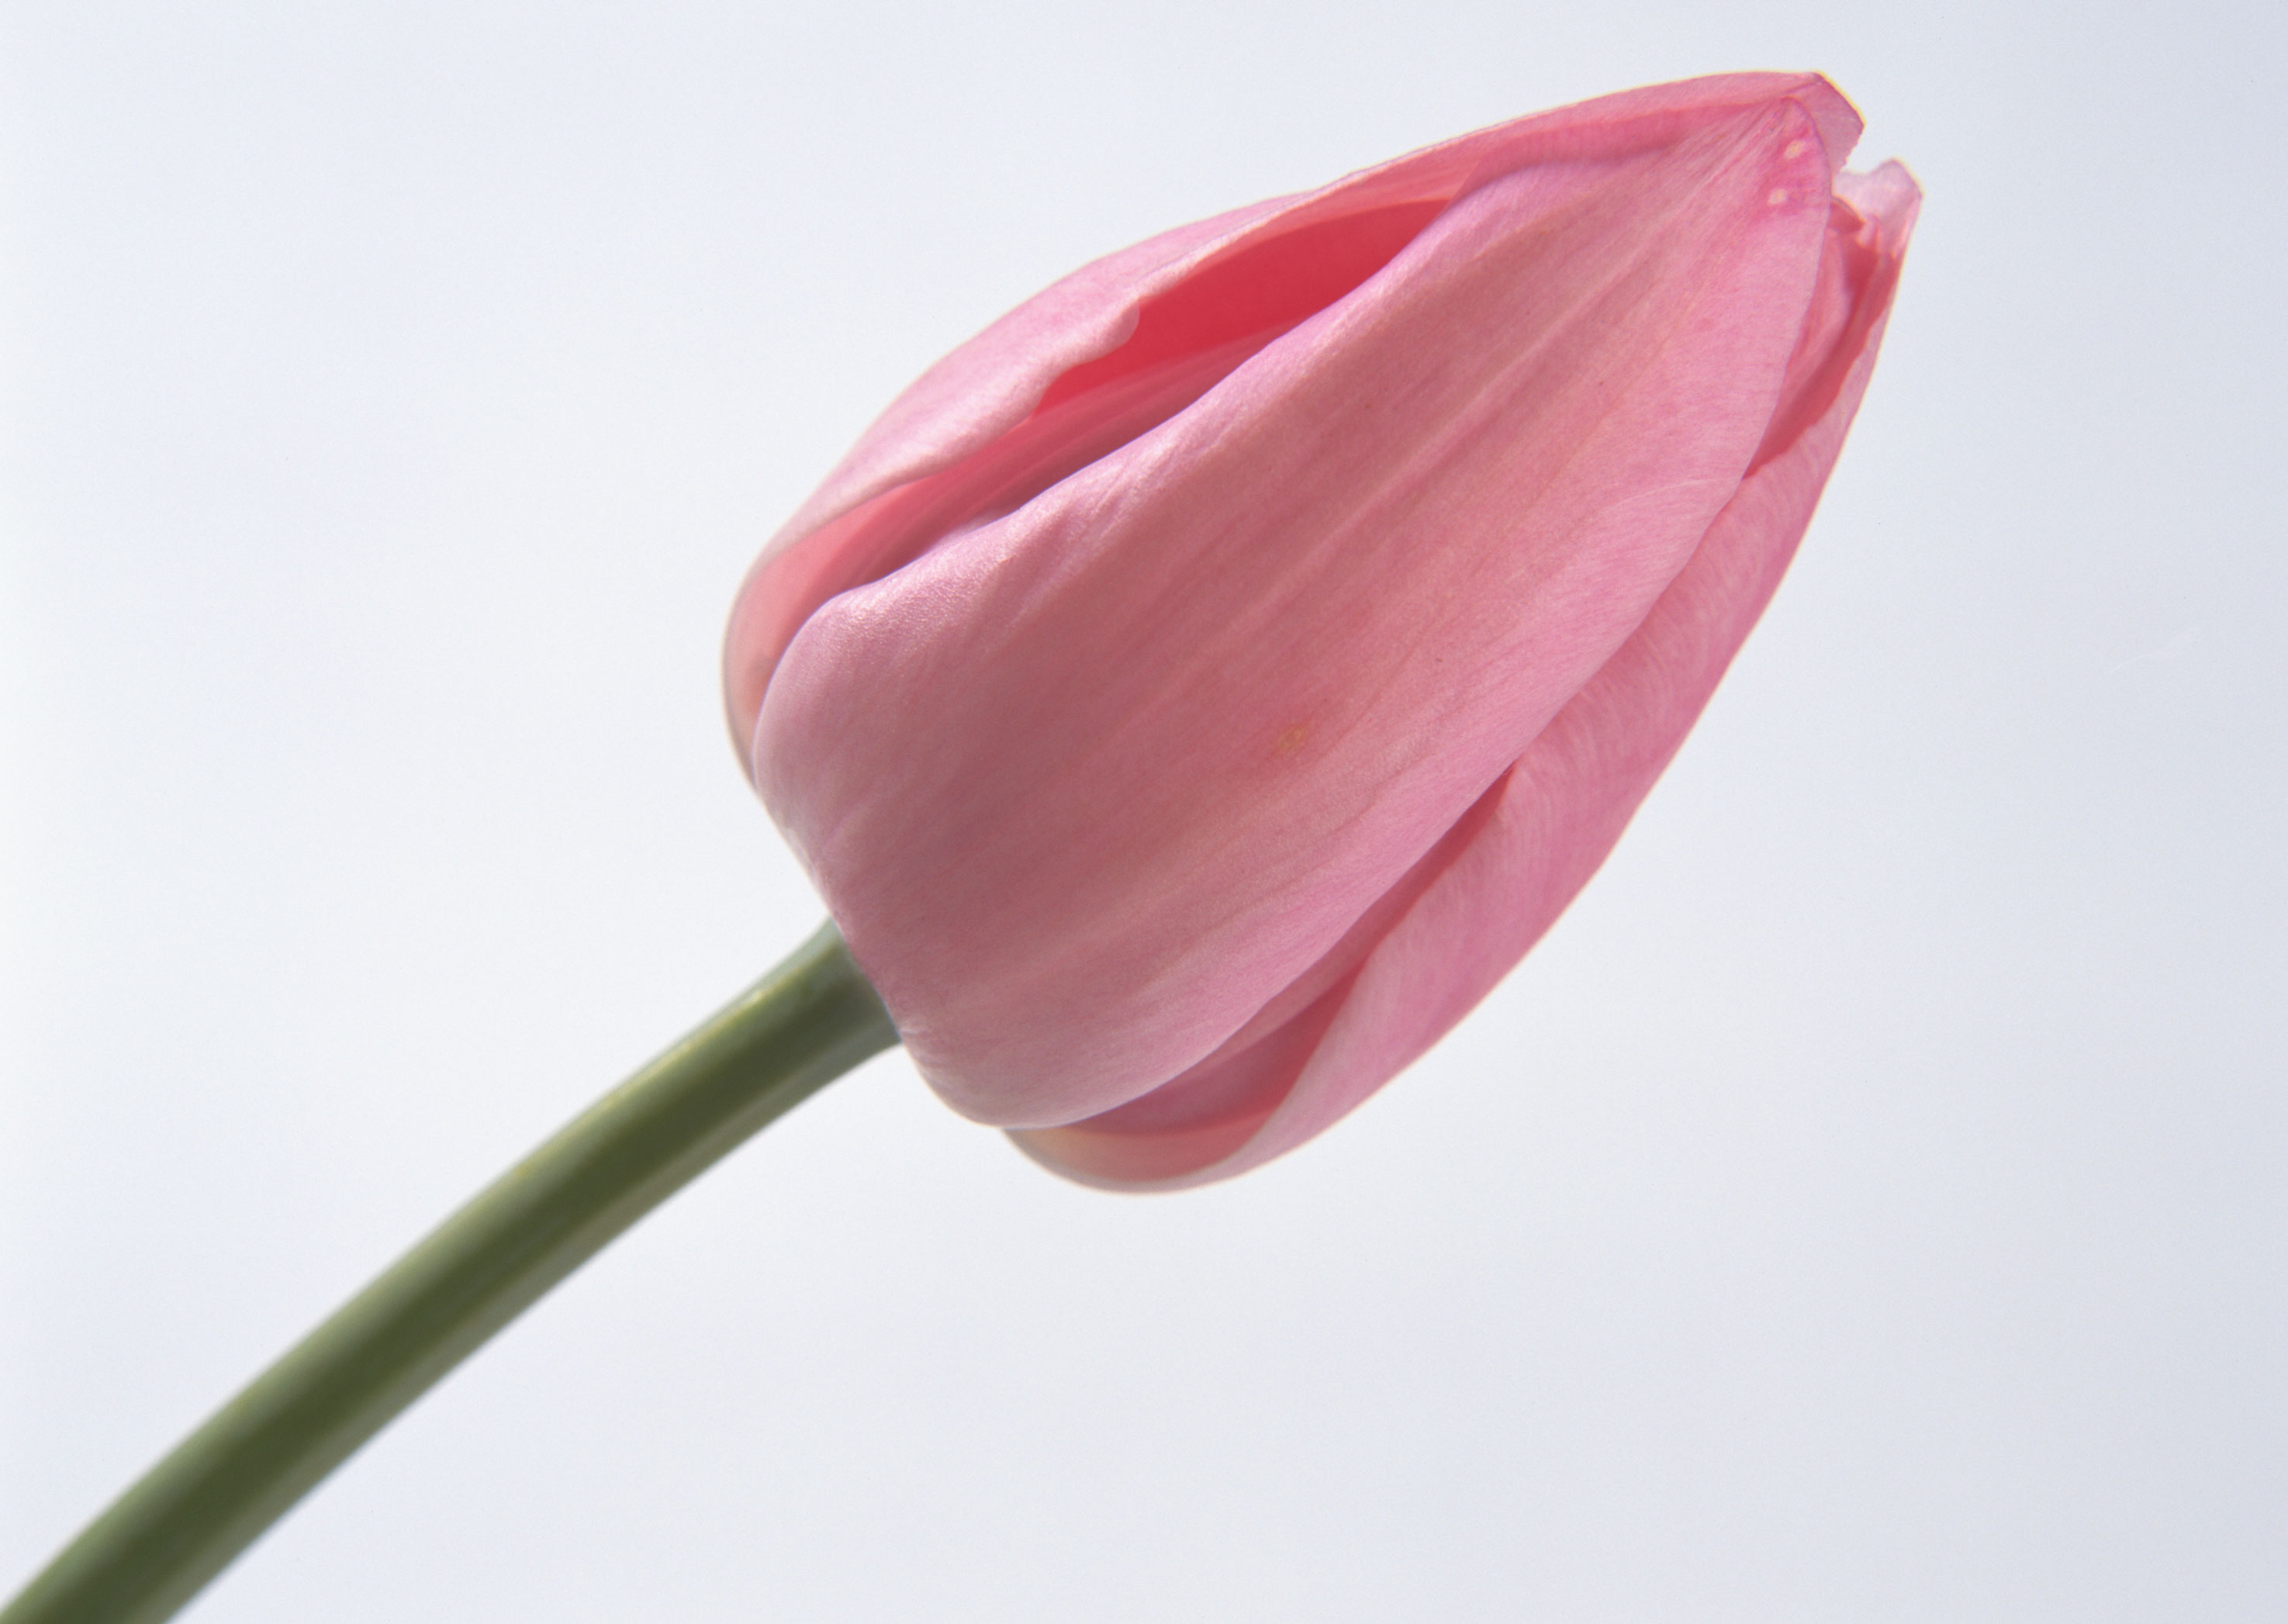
(1509, 869)
(951, 427)
(1344, 591)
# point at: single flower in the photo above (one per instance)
(1197, 691)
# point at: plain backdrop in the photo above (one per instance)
(1868, 1203)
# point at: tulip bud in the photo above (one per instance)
(1196, 692)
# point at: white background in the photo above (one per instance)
(1867, 1204)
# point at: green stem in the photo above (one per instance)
(797, 1029)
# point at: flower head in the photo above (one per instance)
(1198, 690)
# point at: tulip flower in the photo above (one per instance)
(1196, 693)
(1198, 690)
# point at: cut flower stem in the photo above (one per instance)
(799, 1027)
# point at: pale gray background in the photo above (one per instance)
(1867, 1205)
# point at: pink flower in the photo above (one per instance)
(1200, 688)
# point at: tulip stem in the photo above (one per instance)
(793, 1032)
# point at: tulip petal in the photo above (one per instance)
(972, 753)
(960, 411)
(1545, 828)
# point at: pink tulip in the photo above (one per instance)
(1201, 687)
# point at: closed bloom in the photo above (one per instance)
(1199, 689)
